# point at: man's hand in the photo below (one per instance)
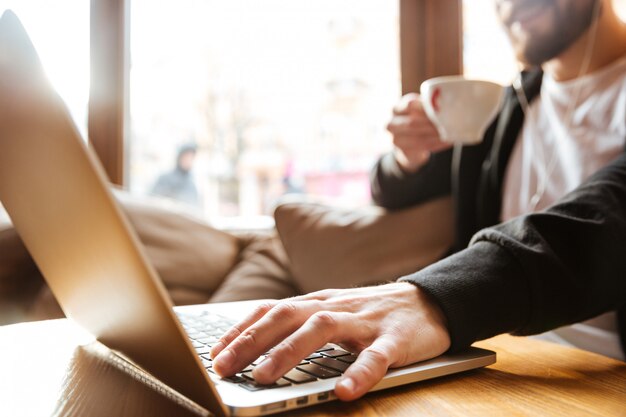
(415, 137)
(389, 326)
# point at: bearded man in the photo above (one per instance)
(541, 202)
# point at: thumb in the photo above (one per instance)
(369, 368)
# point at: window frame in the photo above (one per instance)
(425, 25)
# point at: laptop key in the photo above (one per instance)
(332, 364)
(313, 356)
(203, 350)
(197, 344)
(325, 347)
(235, 379)
(335, 353)
(282, 382)
(299, 377)
(208, 340)
(348, 359)
(318, 371)
(252, 385)
(197, 335)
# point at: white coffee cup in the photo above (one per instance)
(461, 108)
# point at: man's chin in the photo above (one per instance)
(535, 51)
(530, 57)
(538, 40)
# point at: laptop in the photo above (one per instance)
(56, 194)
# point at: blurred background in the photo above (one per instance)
(234, 104)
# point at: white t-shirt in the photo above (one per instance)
(570, 131)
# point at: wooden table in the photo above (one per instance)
(51, 369)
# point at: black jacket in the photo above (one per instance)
(534, 273)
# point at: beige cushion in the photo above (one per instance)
(191, 257)
(337, 248)
(260, 273)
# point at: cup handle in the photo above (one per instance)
(434, 99)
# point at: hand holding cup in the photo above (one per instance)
(461, 108)
(450, 110)
(415, 137)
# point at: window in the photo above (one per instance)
(487, 53)
(260, 99)
(60, 32)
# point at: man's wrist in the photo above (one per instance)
(432, 312)
(406, 166)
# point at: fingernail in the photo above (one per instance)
(347, 384)
(216, 349)
(265, 368)
(225, 359)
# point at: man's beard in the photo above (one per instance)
(569, 24)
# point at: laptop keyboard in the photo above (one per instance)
(205, 329)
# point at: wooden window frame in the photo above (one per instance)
(431, 40)
(108, 92)
(430, 45)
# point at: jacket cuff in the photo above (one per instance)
(393, 188)
(481, 291)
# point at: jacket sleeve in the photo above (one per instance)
(393, 189)
(539, 271)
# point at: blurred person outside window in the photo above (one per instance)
(178, 184)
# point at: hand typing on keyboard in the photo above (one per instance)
(390, 325)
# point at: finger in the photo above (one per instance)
(410, 123)
(369, 368)
(234, 332)
(410, 146)
(278, 323)
(418, 133)
(321, 328)
(403, 105)
(411, 142)
(416, 105)
(413, 152)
